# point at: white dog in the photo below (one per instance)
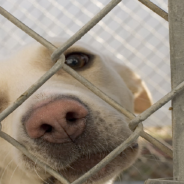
(63, 123)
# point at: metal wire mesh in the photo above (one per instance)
(140, 55)
(131, 32)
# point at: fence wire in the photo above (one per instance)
(131, 32)
(134, 124)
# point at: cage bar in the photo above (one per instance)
(176, 33)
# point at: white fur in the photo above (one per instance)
(107, 130)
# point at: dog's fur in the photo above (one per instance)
(105, 129)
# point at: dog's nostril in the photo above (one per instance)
(47, 128)
(71, 117)
(135, 145)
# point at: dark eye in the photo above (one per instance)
(77, 60)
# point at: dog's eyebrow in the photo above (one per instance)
(78, 49)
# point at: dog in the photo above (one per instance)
(64, 124)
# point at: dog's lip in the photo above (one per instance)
(86, 162)
(89, 160)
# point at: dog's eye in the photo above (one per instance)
(77, 60)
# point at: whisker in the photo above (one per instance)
(5, 170)
(13, 173)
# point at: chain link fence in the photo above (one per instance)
(131, 32)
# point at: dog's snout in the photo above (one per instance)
(57, 122)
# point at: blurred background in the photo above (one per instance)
(131, 32)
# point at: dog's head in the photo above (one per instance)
(64, 124)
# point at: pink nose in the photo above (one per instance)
(57, 122)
